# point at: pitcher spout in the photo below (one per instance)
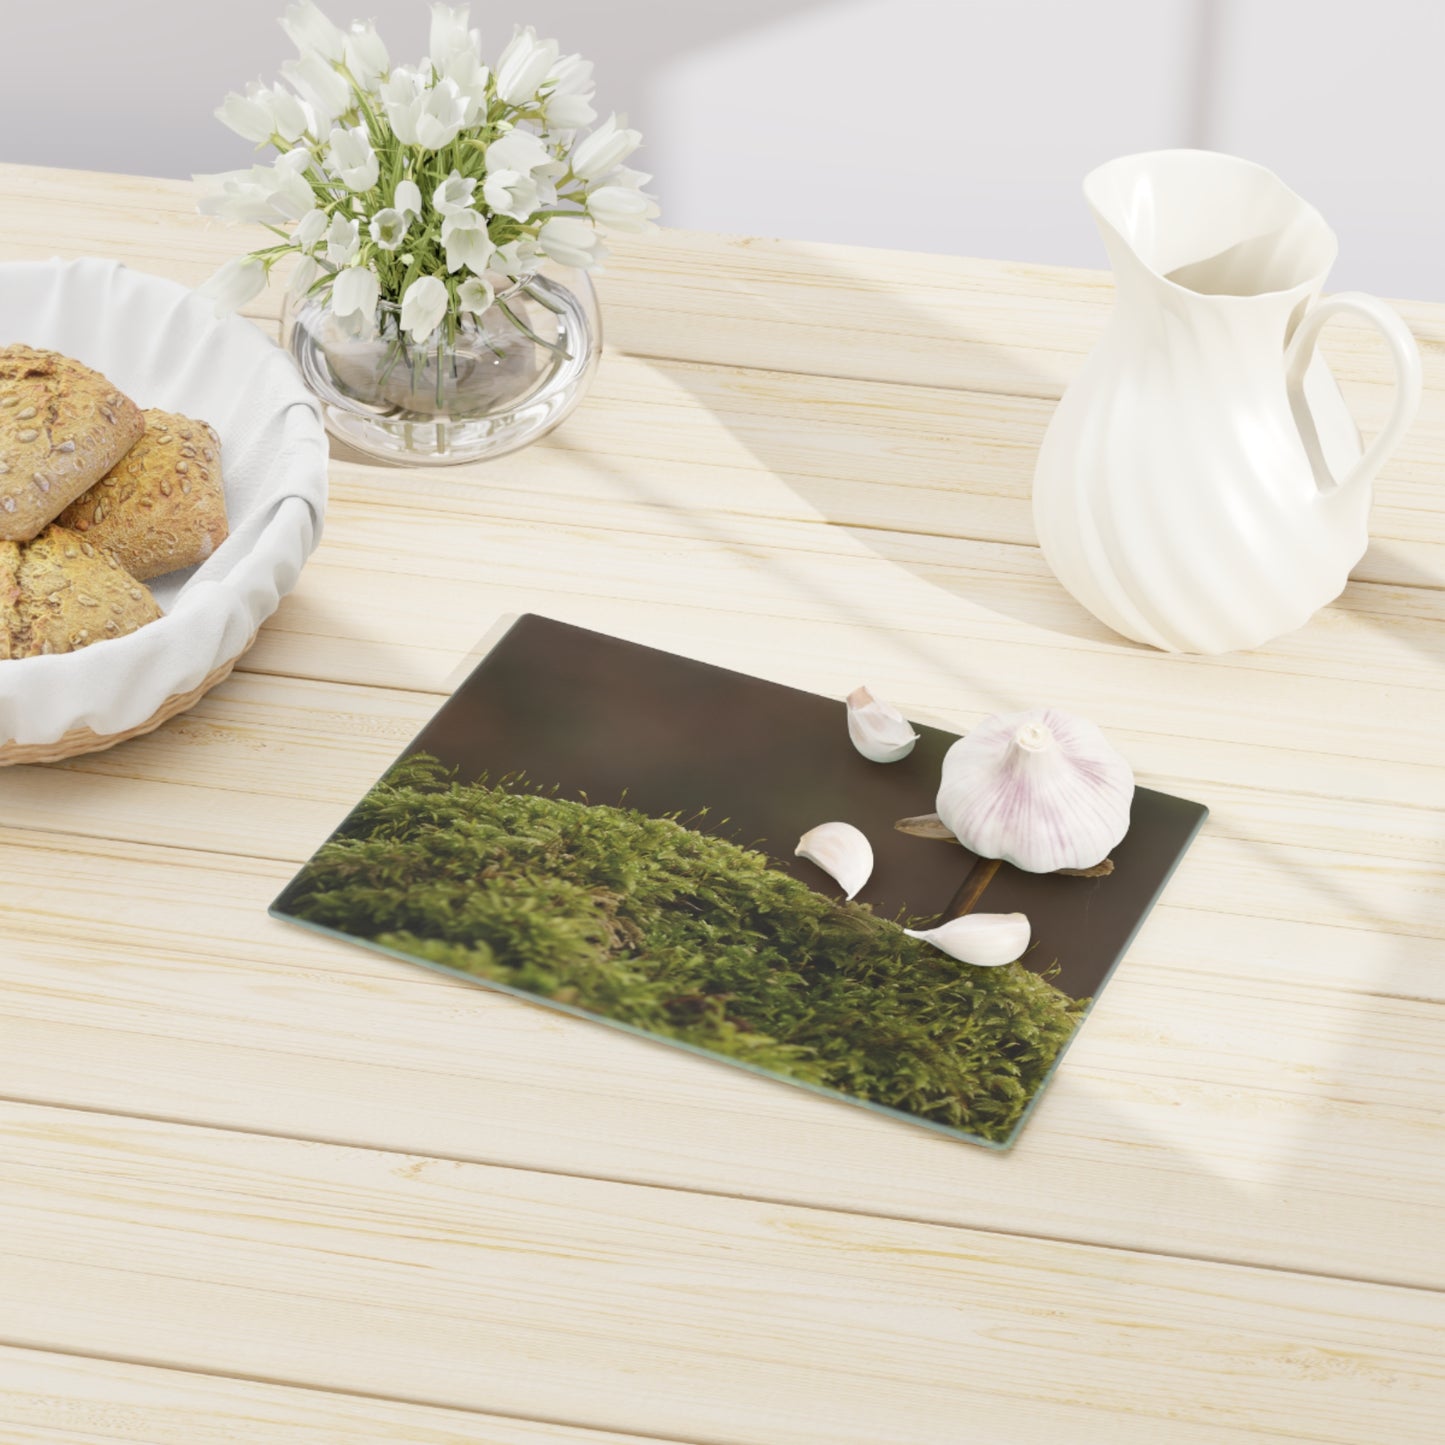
(1206, 224)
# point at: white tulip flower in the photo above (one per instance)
(519, 150)
(464, 235)
(571, 240)
(449, 35)
(354, 292)
(311, 228)
(568, 103)
(470, 77)
(352, 159)
(309, 30)
(517, 257)
(525, 64)
(454, 194)
(423, 305)
(456, 55)
(325, 89)
(389, 227)
(291, 192)
(237, 195)
(247, 115)
(342, 240)
(625, 176)
(289, 118)
(609, 145)
(621, 208)
(512, 187)
(401, 94)
(366, 54)
(429, 117)
(476, 295)
(261, 193)
(407, 199)
(509, 193)
(240, 280)
(443, 114)
(308, 268)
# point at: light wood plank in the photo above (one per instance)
(366, 612)
(819, 310)
(472, 1287)
(869, 453)
(51, 1399)
(1362, 863)
(1247, 1118)
(808, 307)
(1261, 1084)
(648, 454)
(591, 477)
(936, 324)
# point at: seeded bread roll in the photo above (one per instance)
(59, 593)
(162, 506)
(62, 427)
(9, 599)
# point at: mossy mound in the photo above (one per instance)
(685, 934)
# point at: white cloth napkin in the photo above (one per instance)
(162, 345)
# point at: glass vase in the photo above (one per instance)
(481, 386)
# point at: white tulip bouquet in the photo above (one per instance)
(438, 187)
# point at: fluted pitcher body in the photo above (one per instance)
(1202, 486)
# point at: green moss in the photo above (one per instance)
(683, 934)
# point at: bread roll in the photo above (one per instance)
(62, 427)
(60, 592)
(162, 506)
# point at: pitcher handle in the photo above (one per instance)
(1403, 352)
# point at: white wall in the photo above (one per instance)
(946, 125)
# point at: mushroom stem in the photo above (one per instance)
(978, 880)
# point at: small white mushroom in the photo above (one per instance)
(841, 851)
(985, 940)
(878, 730)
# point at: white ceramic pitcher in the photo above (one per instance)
(1202, 486)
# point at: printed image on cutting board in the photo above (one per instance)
(609, 829)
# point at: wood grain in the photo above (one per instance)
(1208, 1112)
(1009, 327)
(1365, 863)
(658, 1312)
(50, 1399)
(820, 620)
(1012, 332)
(259, 1184)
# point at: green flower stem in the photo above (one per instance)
(554, 347)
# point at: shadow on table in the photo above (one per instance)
(1185, 1107)
(1204, 1158)
(930, 489)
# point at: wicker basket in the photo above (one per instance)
(164, 347)
(83, 740)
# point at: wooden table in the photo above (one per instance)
(260, 1186)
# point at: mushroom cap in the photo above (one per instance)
(1041, 789)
